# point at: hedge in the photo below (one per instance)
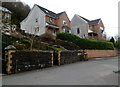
(84, 43)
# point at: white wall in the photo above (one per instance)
(30, 23)
(77, 22)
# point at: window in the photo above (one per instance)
(36, 20)
(64, 22)
(66, 30)
(36, 29)
(53, 32)
(63, 30)
(50, 19)
(69, 31)
(101, 28)
(78, 31)
(7, 16)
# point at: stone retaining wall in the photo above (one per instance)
(17, 61)
(28, 60)
(67, 57)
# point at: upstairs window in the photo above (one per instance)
(64, 22)
(51, 19)
(78, 31)
(36, 20)
(101, 28)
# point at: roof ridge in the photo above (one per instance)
(46, 11)
(96, 19)
(91, 22)
(60, 13)
(84, 18)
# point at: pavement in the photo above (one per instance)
(93, 72)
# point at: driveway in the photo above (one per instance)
(93, 72)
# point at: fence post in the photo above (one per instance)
(8, 57)
(85, 56)
(52, 57)
(59, 54)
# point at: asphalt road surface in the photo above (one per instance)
(93, 72)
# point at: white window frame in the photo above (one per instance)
(64, 22)
(63, 30)
(51, 19)
(101, 28)
(70, 31)
(53, 32)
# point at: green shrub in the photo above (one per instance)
(85, 43)
(66, 44)
(19, 46)
(55, 48)
(19, 43)
(40, 45)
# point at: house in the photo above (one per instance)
(5, 21)
(84, 28)
(5, 15)
(43, 22)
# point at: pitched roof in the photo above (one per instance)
(85, 19)
(50, 13)
(60, 13)
(94, 22)
(91, 22)
(5, 10)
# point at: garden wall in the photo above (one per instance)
(67, 57)
(17, 61)
(28, 60)
(100, 53)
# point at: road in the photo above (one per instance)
(93, 72)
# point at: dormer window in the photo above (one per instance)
(64, 22)
(50, 19)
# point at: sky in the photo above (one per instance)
(107, 10)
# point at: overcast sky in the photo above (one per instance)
(107, 10)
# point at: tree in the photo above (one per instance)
(19, 11)
(117, 43)
(112, 40)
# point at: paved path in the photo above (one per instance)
(93, 72)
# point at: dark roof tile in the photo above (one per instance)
(94, 22)
(91, 22)
(50, 13)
